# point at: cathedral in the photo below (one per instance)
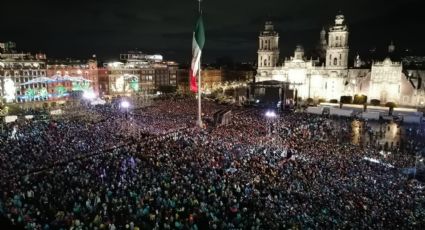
(330, 75)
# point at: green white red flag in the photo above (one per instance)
(197, 45)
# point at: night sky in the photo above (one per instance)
(80, 28)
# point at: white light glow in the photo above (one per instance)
(270, 114)
(10, 90)
(89, 95)
(377, 162)
(125, 104)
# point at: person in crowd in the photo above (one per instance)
(154, 169)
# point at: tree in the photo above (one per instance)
(391, 106)
(333, 101)
(14, 109)
(360, 99)
(375, 102)
(310, 101)
(346, 99)
(4, 110)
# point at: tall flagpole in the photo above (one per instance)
(199, 80)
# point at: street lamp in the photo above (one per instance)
(89, 95)
(270, 115)
(125, 105)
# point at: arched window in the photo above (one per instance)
(335, 61)
(265, 62)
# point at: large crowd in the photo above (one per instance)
(151, 168)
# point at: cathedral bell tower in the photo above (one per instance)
(337, 50)
(268, 51)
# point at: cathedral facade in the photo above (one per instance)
(329, 76)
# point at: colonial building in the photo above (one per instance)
(329, 76)
(214, 78)
(32, 78)
(18, 68)
(87, 71)
(139, 73)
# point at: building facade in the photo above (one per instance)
(140, 73)
(32, 78)
(73, 69)
(329, 75)
(18, 68)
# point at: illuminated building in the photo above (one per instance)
(135, 56)
(329, 76)
(17, 68)
(103, 81)
(75, 69)
(183, 81)
(211, 78)
(31, 78)
(125, 78)
(140, 73)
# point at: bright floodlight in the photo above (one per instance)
(270, 114)
(89, 95)
(125, 104)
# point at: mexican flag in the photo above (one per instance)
(197, 45)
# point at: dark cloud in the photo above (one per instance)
(80, 28)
